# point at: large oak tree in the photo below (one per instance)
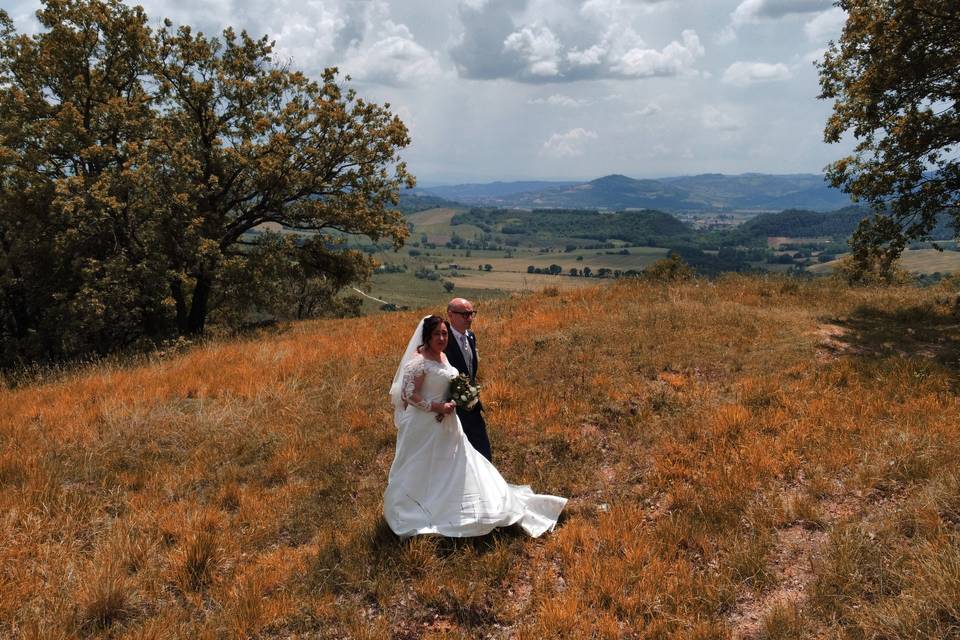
(136, 166)
(894, 76)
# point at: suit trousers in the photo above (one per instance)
(475, 428)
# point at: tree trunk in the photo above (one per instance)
(198, 306)
(176, 289)
(19, 316)
(19, 312)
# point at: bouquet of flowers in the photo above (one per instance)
(466, 395)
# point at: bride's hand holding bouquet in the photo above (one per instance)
(443, 409)
(463, 395)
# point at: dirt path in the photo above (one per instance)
(367, 295)
(798, 544)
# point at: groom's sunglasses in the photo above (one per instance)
(465, 313)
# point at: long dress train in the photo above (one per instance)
(440, 484)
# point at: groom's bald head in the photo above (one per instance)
(458, 304)
(460, 314)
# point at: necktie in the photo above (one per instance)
(467, 354)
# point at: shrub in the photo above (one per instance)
(875, 270)
(669, 269)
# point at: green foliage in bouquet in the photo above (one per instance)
(466, 395)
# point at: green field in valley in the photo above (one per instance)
(435, 223)
(427, 253)
(466, 268)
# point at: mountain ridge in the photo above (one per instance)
(701, 192)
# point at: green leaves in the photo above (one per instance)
(894, 77)
(151, 157)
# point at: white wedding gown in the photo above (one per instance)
(440, 484)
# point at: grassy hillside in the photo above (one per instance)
(912, 260)
(508, 274)
(750, 457)
(435, 223)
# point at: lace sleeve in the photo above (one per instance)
(413, 373)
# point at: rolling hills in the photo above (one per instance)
(707, 192)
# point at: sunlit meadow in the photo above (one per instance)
(753, 457)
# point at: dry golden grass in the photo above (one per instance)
(236, 490)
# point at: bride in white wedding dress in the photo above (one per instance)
(438, 482)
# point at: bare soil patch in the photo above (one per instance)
(797, 546)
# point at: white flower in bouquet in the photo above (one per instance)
(466, 395)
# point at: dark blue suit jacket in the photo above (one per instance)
(472, 421)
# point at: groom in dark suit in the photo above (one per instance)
(462, 353)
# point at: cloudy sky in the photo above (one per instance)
(562, 89)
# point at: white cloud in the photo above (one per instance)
(607, 9)
(418, 55)
(361, 38)
(307, 34)
(387, 53)
(622, 53)
(649, 110)
(743, 74)
(601, 9)
(588, 57)
(566, 41)
(756, 10)
(612, 10)
(559, 100)
(538, 47)
(726, 35)
(676, 58)
(719, 119)
(826, 26)
(392, 60)
(568, 145)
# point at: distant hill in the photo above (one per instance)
(707, 192)
(763, 191)
(490, 193)
(611, 192)
(647, 227)
(798, 223)
(417, 200)
(795, 223)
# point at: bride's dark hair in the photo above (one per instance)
(429, 324)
